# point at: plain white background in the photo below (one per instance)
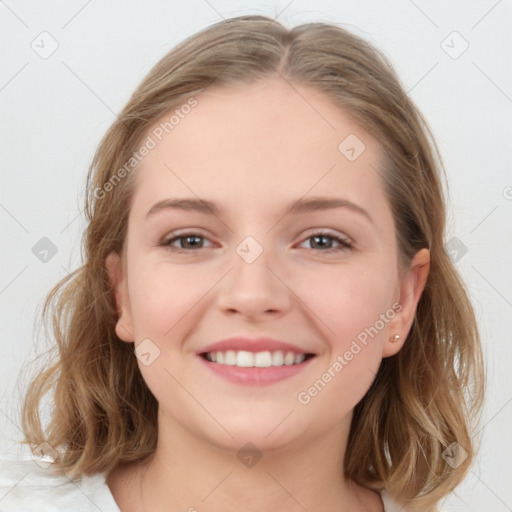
(55, 109)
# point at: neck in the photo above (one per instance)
(188, 473)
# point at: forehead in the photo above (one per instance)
(257, 143)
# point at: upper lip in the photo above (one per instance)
(253, 345)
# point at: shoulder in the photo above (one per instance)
(30, 486)
(390, 505)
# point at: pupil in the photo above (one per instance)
(191, 238)
(320, 237)
(196, 239)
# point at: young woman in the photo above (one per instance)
(267, 318)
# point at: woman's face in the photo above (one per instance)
(324, 280)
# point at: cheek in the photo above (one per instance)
(164, 297)
(354, 306)
(347, 299)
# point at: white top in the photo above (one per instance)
(29, 486)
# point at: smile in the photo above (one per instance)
(264, 359)
(255, 361)
(263, 368)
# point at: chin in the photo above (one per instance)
(251, 438)
(264, 428)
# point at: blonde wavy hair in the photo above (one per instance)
(423, 399)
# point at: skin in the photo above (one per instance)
(254, 149)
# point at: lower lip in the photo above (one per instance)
(254, 376)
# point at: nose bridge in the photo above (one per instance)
(251, 250)
(252, 286)
(251, 260)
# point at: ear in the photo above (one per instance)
(412, 284)
(117, 278)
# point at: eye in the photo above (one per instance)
(192, 241)
(323, 240)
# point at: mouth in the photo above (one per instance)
(255, 361)
(264, 359)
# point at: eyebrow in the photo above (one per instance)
(296, 207)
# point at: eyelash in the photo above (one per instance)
(344, 243)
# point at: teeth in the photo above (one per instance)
(263, 359)
(245, 359)
(230, 358)
(289, 358)
(277, 358)
(299, 358)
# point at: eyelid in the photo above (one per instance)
(311, 232)
(328, 232)
(344, 241)
(175, 235)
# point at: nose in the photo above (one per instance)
(255, 287)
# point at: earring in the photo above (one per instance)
(394, 338)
